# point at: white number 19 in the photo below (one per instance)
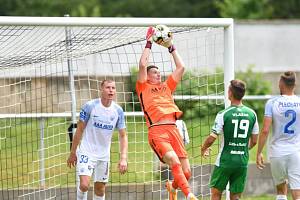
(242, 125)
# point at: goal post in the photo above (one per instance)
(50, 66)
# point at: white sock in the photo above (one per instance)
(81, 195)
(98, 197)
(281, 197)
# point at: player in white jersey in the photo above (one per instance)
(90, 150)
(183, 131)
(283, 113)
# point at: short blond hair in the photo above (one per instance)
(106, 81)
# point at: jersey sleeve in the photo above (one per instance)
(121, 119)
(255, 129)
(171, 83)
(218, 125)
(85, 112)
(140, 86)
(268, 108)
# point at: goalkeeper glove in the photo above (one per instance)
(169, 43)
(149, 35)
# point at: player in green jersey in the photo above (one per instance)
(239, 127)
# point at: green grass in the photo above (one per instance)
(20, 144)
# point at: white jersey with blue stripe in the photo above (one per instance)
(285, 113)
(100, 124)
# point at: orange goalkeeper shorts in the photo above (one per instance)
(165, 137)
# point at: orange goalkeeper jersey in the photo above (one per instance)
(157, 100)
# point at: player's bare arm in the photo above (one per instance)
(178, 72)
(124, 151)
(72, 160)
(262, 141)
(205, 148)
(144, 60)
(253, 140)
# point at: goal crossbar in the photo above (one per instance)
(114, 21)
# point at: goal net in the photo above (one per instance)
(50, 67)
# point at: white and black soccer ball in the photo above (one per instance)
(162, 34)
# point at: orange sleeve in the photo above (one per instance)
(171, 83)
(140, 87)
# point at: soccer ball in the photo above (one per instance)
(162, 34)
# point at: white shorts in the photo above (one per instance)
(286, 168)
(88, 166)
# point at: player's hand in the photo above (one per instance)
(150, 32)
(168, 43)
(122, 166)
(72, 160)
(205, 152)
(260, 161)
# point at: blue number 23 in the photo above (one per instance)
(287, 126)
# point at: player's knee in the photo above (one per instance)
(176, 168)
(187, 174)
(235, 196)
(84, 187)
(99, 189)
(99, 193)
(216, 194)
(171, 158)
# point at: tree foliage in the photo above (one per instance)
(51, 8)
(245, 9)
(259, 9)
(240, 9)
(160, 8)
(256, 85)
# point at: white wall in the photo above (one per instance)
(271, 46)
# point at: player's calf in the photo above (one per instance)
(171, 190)
(187, 175)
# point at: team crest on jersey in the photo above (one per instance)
(112, 118)
(158, 89)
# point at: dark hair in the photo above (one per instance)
(106, 81)
(288, 78)
(238, 88)
(150, 67)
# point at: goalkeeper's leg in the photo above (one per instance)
(186, 170)
(179, 178)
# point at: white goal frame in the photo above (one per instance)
(227, 23)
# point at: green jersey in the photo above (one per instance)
(236, 123)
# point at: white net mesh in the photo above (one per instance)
(35, 105)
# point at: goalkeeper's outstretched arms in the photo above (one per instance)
(178, 72)
(142, 75)
(169, 43)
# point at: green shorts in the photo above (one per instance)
(235, 176)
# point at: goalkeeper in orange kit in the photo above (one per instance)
(161, 113)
